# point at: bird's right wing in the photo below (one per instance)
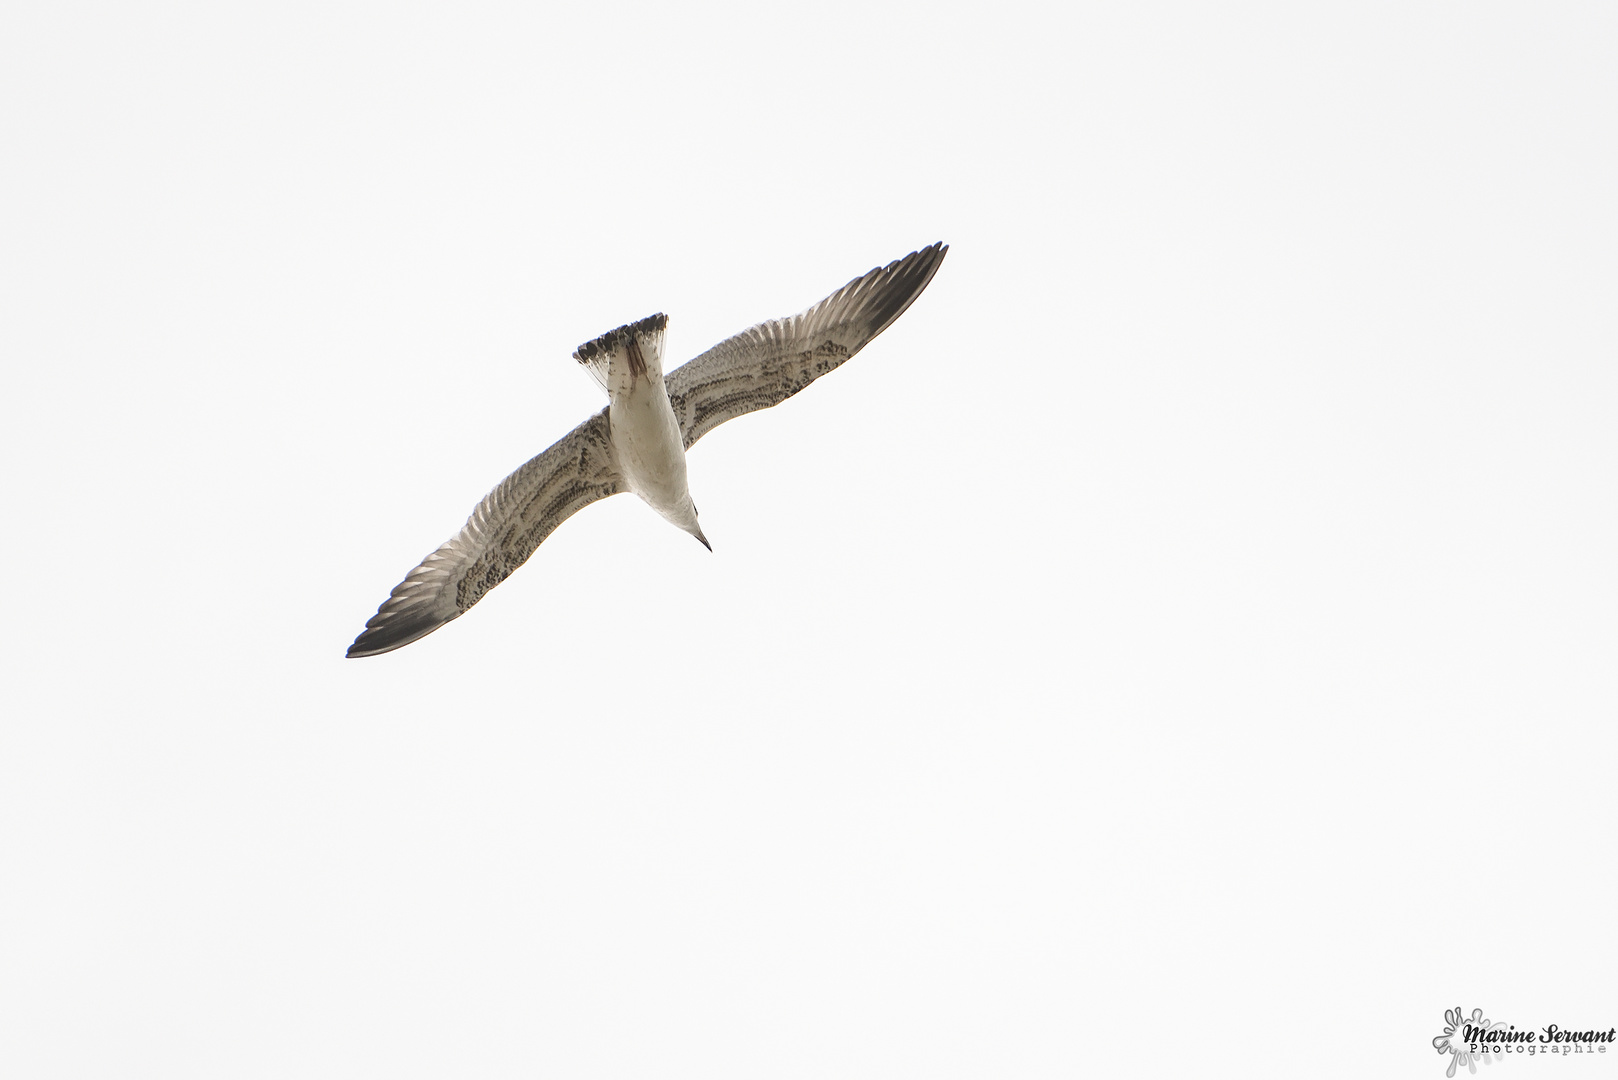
(502, 532)
(772, 361)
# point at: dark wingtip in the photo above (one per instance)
(384, 635)
(909, 277)
(362, 647)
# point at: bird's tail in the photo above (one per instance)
(638, 347)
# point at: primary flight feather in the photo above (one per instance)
(638, 442)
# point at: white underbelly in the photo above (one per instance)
(650, 451)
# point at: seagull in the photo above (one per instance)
(638, 442)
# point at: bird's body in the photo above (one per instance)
(638, 442)
(645, 434)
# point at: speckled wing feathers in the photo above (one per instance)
(502, 532)
(772, 361)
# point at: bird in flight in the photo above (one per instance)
(638, 442)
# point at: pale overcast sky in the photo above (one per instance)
(1183, 644)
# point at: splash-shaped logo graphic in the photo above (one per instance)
(1455, 1041)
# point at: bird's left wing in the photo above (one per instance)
(763, 366)
(502, 532)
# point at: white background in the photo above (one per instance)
(1183, 644)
